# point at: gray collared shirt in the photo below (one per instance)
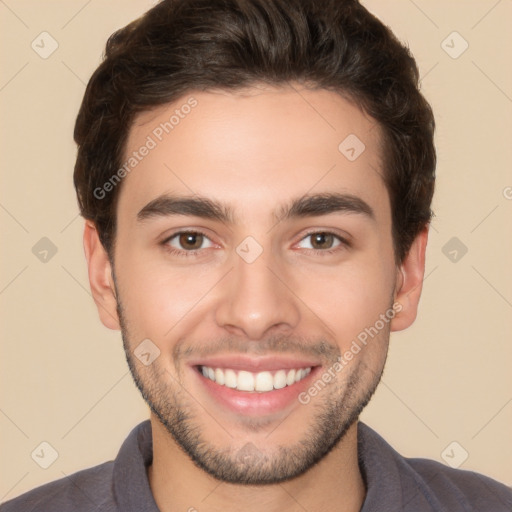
(394, 483)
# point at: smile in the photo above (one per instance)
(260, 382)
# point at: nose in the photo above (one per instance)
(257, 300)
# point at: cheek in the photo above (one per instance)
(157, 297)
(349, 298)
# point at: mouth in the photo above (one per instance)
(261, 382)
(255, 387)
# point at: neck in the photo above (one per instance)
(177, 484)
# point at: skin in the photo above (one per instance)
(255, 151)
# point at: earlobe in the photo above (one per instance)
(100, 277)
(410, 283)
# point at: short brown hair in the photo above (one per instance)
(184, 45)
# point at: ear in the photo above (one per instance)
(100, 277)
(410, 283)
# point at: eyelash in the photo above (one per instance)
(344, 243)
(182, 253)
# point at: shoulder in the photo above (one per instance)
(86, 490)
(458, 489)
(418, 484)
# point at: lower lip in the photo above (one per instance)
(254, 403)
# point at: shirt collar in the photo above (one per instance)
(131, 484)
(376, 461)
(379, 471)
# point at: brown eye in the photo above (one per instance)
(191, 241)
(188, 241)
(322, 240)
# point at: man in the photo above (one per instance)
(256, 178)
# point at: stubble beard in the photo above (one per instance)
(336, 408)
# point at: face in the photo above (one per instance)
(252, 254)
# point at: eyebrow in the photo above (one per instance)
(305, 206)
(324, 204)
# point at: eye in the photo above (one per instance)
(188, 241)
(321, 241)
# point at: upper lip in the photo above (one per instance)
(255, 364)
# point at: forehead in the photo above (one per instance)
(254, 148)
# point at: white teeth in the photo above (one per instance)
(260, 382)
(219, 376)
(290, 378)
(264, 382)
(230, 379)
(280, 379)
(245, 381)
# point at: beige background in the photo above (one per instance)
(64, 379)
